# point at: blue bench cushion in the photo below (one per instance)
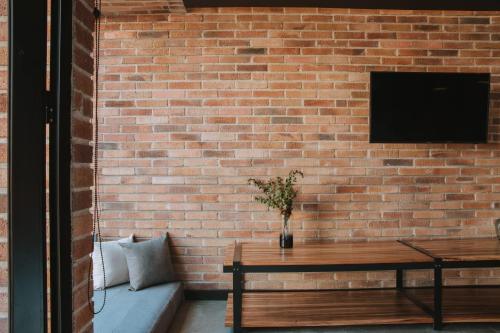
(148, 310)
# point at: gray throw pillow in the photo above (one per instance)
(148, 262)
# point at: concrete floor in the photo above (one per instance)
(208, 317)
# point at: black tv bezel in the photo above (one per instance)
(397, 141)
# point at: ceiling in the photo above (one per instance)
(366, 4)
(137, 7)
(117, 7)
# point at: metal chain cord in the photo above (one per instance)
(96, 225)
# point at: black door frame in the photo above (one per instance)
(31, 106)
(26, 163)
(60, 165)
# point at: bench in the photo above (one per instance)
(148, 310)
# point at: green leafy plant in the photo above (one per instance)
(278, 192)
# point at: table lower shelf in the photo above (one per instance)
(363, 307)
(326, 308)
(465, 305)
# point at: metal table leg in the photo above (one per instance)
(237, 299)
(400, 279)
(237, 289)
(438, 295)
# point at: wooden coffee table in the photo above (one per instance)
(313, 308)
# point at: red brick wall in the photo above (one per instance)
(81, 167)
(193, 105)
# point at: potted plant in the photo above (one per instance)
(279, 193)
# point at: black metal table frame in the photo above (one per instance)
(439, 265)
(237, 269)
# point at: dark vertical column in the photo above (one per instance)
(237, 289)
(60, 166)
(438, 295)
(399, 279)
(237, 298)
(27, 117)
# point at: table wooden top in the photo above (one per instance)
(461, 249)
(323, 253)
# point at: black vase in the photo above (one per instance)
(286, 236)
(286, 241)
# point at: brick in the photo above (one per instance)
(287, 120)
(398, 162)
(251, 68)
(460, 197)
(443, 53)
(251, 51)
(475, 20)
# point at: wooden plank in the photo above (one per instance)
(326, 308)
(326, 253)
(465, 305)
(461, 249)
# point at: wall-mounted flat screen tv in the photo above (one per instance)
(429, 107)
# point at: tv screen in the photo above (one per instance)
(429, 107)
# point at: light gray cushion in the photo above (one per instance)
(149, 310)
(115, 264)
(148, 262)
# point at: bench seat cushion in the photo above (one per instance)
(148, 310)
